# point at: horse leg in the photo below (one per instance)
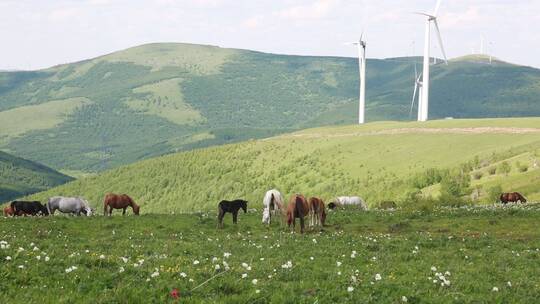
(235, 217)
(124, 211)
(302, 225)
(110, 210)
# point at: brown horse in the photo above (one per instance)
(8, 211)
(298, 208)
(115, 201)
(512, 198)
(317, 212)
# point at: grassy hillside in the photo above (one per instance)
(379, 161)
(159, 98)
(448, 256)
(19, 177)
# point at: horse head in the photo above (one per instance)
(243, 205)
(136, 209)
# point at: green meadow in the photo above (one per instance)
(448, 255)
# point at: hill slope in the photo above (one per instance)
(157, 98)
(378, 161)
(19, 177)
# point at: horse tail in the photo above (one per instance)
(105, 204)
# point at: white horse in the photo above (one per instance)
(345, 201)
(74, 205)
(273, 201)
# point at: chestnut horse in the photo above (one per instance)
(317, 212)
(298, 208)
(115, 201)
(512, 198)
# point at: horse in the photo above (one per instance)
(28, 208)
(230, 207)
(273, 201)
(73, 205)
(298, 208)
(8, 211)
(317, 212)
(512, 198)
(115, 201)
(344, 201)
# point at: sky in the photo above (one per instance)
(36, 34)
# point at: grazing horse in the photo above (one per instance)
(115, 201)
(345, 201)
(298, 208)
(512, 198)
(28, 208)
(317, 212)
(273, 201)
(8, 211)
(73, 205)
(230, 207)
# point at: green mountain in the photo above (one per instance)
(19, 177)
(160, 98)
(378, 161)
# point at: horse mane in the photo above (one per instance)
(131, 201)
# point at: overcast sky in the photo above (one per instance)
(41, 33)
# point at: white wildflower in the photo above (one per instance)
(509, 284)
(338, 263)
(404, 299)
(196, 262)
(183, 274)
(433, 268)
(378, 277)
(121, 269)
(47, 259)
(227, 254)
(495, 289)
(217, 267)
(8, 258)
(254, 281)
(155, 274)
(350, 289)
(244, 275)
(124, 259)
(102, 257)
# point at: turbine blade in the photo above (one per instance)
(440, 40)
(415, 71)
(424, 14)
(413, 99)
(436, 11)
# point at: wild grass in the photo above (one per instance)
(443, 256)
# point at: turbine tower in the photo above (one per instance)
(423, 106)
(361, 44)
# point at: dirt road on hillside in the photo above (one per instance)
(480, 130)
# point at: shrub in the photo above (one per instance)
(494, 194)
(505, 168)
(492, 170)
(478, 175)
(523, 168)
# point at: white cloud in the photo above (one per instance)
(316, 10)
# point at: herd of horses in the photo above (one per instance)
(298, 207)
(71, 205)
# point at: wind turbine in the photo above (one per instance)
(361, 44)
(423, 106)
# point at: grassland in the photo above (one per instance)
(478, 255)
(378, 161)
(155, 99)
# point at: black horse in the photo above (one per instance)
(232, 207)
(28, 208)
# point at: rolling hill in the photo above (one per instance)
(379, 161)
(160, 98)
(19, 177)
